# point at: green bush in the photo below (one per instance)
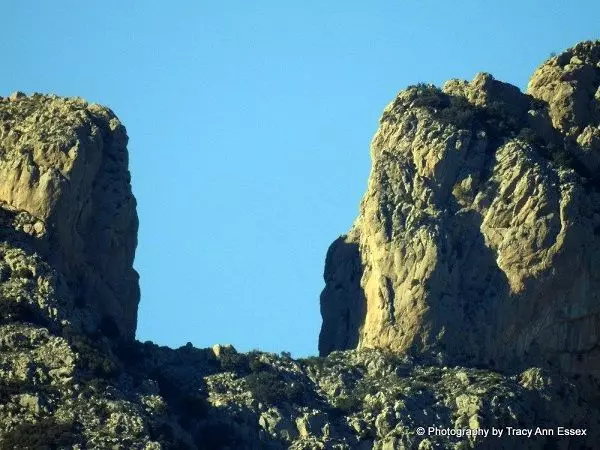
(8, 388)
(190, 405)
(317, 362)
(12, 311)
(428, 96)
(232, 361)
(459, 112)
(255, 364)
(271, 388)
(348, 404)
(22, 272)
(92, 358)
(528, 136)
(560, 156)
(45, 434)
(497, 120)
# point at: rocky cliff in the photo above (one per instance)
(474, 252)
(65, 198)
(478, 239)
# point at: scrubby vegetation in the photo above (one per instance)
(47, 433)
(272, 387)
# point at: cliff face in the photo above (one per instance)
(65, 197)
(476, 243)
(478, 237)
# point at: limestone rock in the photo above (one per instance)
(65, 193)
(570, 84)
(475, 211)
(219, 349)
(478, 237)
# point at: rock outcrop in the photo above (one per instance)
(65, 195)
(569, 85)
(478, 239)
(479, 207)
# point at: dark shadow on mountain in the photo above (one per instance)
(343, 302)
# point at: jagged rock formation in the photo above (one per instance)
(72, 377)
(479, 236)
(569, 84)
(65, 188)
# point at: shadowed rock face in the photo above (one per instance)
(478, 238)
(65, 195)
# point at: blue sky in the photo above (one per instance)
(249, 125)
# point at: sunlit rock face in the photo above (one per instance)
(478, 239)
(65, 198)
(569, 84)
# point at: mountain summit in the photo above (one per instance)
(464, 300)
(478, 238)
(65, 197)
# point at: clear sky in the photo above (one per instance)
(249, 125)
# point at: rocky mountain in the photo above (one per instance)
(66, 198)
(462, 301)
(478, 238)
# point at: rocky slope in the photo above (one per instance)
(72, 376)
(479, 235)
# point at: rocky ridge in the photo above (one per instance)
(72, 376)
(478, 237)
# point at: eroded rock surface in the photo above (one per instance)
(65, 194)
(478, 238)
(467, 212)
(570, 85)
